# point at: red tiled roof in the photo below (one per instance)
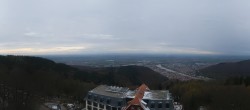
(141, 90)
(138, 96)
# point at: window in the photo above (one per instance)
(101, 99)
(89, 96)
(108, 101)
(95, 98)
(89, 108)
(89, 103)
(120, 103)
(95, 104)
(101, 106)
(113, 108)
(95, 109)
(160, 105)
(167, 105)
(152, 105)
(108, 107)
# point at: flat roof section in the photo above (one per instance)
(112, 91)
(152, 94)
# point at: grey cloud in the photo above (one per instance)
(162, 26)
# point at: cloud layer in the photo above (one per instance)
(112, 26)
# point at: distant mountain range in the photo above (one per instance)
(225, 70)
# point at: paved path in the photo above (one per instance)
(43, 107)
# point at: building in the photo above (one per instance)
(106, 97)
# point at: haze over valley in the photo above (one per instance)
(173, 67)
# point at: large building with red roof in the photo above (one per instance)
(106, 97)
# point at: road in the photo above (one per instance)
(43, 107)
(171, 74)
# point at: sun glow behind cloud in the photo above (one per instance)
(170, 50)
(51, 50)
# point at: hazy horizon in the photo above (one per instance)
(84, 27)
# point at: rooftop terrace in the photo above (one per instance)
(151, 94)
(112, 91)
(123, 92)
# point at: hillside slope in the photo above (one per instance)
(225, 70)
(130, 76)
(34, 78)
(40, 76)
(50, 78)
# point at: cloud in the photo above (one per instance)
(191, 51)
(180, 49)
(151, 49)
(31, 34)
(51, 50)
(152, 26)
(100, 36)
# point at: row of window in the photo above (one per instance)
(103, 100)
(107, 108)
(101, 107)
(119, 103)
(153, 105)
(95, 104)
(95, 98)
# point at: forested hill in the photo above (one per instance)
(27, 81)
(41, 76)
(49, 78)
(128, 76)
(225, 70)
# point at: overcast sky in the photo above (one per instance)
(125, 26)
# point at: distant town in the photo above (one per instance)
(174, 67)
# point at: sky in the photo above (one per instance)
(200, 27)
